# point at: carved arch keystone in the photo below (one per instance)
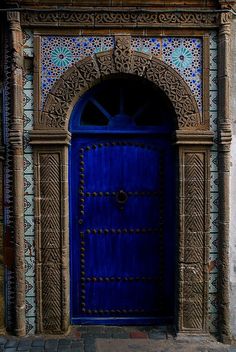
(88, 71)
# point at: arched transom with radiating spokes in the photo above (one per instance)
(125, 103)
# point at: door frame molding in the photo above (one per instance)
(50, 139)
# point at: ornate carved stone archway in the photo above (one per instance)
(86, 72)
(50, 139)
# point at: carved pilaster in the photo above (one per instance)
(194, 193)
(224, 128)
(52, 239)
(16, 142)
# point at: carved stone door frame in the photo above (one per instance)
(50, 139)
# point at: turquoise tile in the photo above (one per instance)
(214, 219)
(29, 204)
(30, 325)
(28, 52)
(213, 40)
(213, 282)
(28, 98)
(213, 100)
(29, 246)
(28, 184)
(214, 161)
(214, 242)
(213, 80)
(29, 225)
(28, 163)
(30, 266)
(30, 310)
(214, 186)
(28, 38)
(213, 60)
(29, 286)
(212, 303)
(28, 81)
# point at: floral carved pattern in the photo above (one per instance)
(88, 71)
(118, 18)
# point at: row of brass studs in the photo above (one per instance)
(119, 231)
(82, 270)
(108, 194)
(81, 186)
(118, 279)
(118, 143)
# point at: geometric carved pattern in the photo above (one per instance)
(86, 72)
(193, 252)
(50, 242)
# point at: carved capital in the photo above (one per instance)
(13, 18)
(225, 18)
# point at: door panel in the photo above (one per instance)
(122, 229)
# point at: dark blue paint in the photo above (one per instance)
(141, 165)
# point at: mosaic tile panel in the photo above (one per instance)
(59, 53)
(183, 54)
(214, 195)
(29, 191)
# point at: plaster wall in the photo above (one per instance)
(233, 188)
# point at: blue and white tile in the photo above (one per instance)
(213, 40)
(213, 263)
(213, 80)
(213, 322)
(29, 247)
(213, 282)
(28, 81)
(213, 120)
(214, 205)
(212, 303)
(213, 100)
(213, 60)
(214, 161)
(29, 266)
(28, 99)
(28, 163)
(214, 184)
(28, 38)
(28, 52)
(30, 307)
(28, 184)
(214, 222)
(214, 243)
(28, 120)
(29, 204)
(30, 326)
(29, 225)
(29, 286)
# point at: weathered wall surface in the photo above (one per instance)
(233, 187)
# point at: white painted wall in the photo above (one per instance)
(233, 189)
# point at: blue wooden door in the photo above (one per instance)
(122, 228)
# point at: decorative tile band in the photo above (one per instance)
(29, 189)
(183, 54)
(214, 195)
